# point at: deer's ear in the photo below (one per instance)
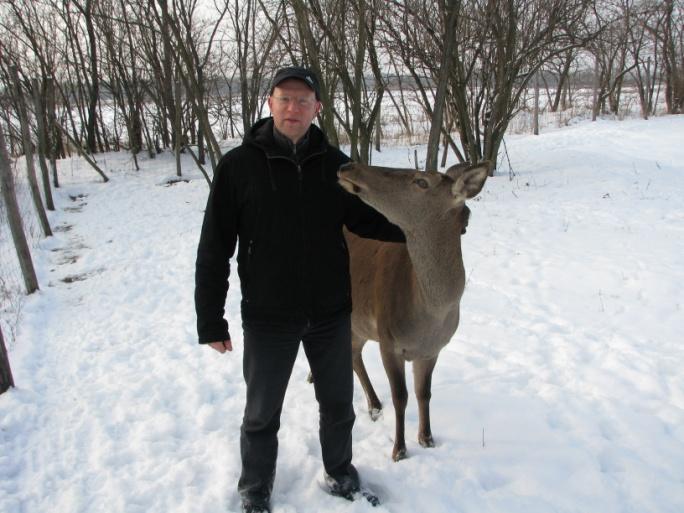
(457, 170)
(468, 180)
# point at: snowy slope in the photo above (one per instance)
(562, 390)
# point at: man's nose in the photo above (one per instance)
(293, 105)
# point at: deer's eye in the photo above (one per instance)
(421, 182)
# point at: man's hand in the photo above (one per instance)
(221, 346)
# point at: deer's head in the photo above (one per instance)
(410, 198)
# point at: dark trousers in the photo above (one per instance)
(269, 355)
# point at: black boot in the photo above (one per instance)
(256, 504)
(349, 487)
(345, 485)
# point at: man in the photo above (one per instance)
(278, 194)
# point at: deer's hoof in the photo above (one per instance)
(426, 441)
(375, 413)
(399, 454)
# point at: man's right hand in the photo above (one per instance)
(221, 346)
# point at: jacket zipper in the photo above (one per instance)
(300, 175)
(305, 283)
(249, 266)
(300, 179)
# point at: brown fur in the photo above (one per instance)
(407, 296)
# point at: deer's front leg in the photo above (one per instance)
(394, 367)
(422, 380)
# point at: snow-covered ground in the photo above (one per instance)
(562, 391)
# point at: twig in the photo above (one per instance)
(83, 154)
(511, 173)
(199, 164)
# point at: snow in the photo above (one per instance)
(562, 390)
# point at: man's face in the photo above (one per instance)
(293, 107)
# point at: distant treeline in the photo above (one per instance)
(149, 75)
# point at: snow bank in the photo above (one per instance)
(561, 391)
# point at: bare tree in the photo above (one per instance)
(253, 44)
(193, 53)
(346, 32)
(314, 50)
(671, 39)
(32, 45)
(643, 50)
(14, 218)
(451, 11)
(28, 152)
(121, 68)
(54, 138)
(610, 50)
(559, 69)
(500, 46)
(42, 136)
(468, 64)
(85, 7)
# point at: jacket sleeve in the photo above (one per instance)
(367, 222)
(216, 247)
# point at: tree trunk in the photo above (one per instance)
(378, 132)
(595, 95)
(230, 111)
(177, 129)
(94, 92)
(451, 18)
(167, 75)
(535, 115)
(28, 152)
(53, 134)
(14, 219)
(562, 81)
(645, 90)
(445, 151)
(359, 145)
(201, 153)
(674, 79)
(6, 379)
(42, 142)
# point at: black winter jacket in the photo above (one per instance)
(287, 211)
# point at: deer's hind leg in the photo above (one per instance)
(422, 380)
(374, 404)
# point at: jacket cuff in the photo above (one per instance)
(214, 337)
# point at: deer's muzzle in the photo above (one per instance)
(348, 184)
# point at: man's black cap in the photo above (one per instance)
(308, 76)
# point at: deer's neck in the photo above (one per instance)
(438, 265)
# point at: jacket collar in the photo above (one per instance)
(264, 136)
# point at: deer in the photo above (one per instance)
(407, 296)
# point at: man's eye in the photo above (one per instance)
(301, 102)
(421, 182)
